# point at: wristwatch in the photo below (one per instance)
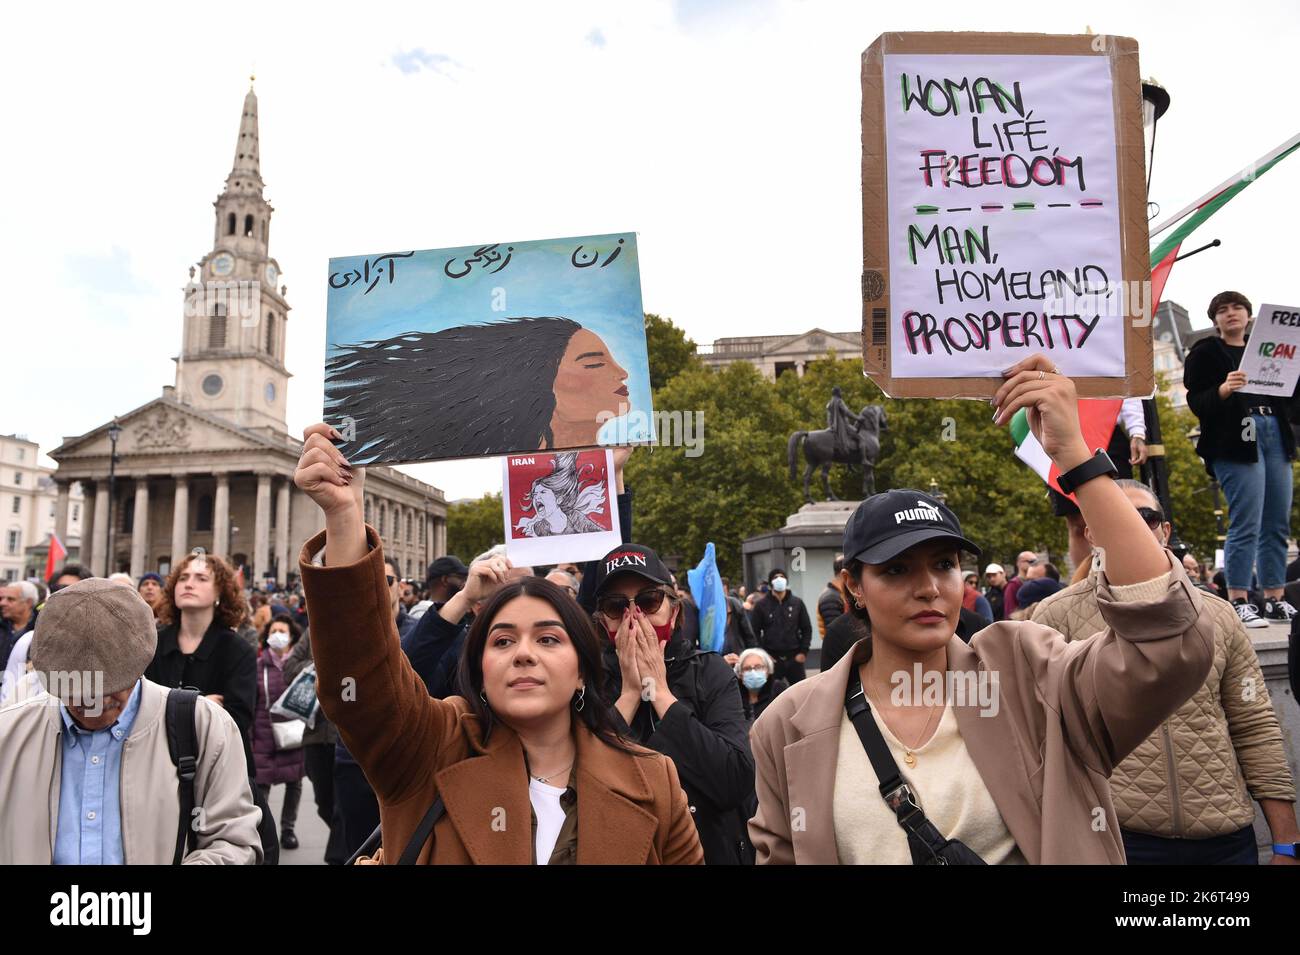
(1097, 465)
(1286, 849)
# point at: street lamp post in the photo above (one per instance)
(114, 432)
(1155, 102)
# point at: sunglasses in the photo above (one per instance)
(1153, 516)
(615, 605)
(391, 579)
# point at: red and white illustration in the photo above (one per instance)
(559, 506)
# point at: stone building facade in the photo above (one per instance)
(209, 464)
(29, 508)
(775, 355)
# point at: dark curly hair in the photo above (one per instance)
(295, 631)
(453, 371)
(231, 606)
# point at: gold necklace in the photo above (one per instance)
(547, 779)
(909, 757)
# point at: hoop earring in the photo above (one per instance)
(582, 699)
(483, 696)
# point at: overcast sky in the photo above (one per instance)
(726, 134)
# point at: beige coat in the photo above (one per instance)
(1067, 713)
(31, 761)
(1194, 777)
(413, 748)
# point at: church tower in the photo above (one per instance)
(232, 350)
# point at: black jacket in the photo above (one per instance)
(739, 635)
(829, 606)
(1207, 367)
(706, 735)
(782, 626)
(994, 596)
(223, 663)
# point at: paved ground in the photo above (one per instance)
(312, 833)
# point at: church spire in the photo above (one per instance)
(246, 172)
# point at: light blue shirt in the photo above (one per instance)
(90, 805)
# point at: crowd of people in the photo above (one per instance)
(495, 713)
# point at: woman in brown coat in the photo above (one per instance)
(528, 766)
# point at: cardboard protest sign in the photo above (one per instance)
(1272, 358)
(1004, 212)
(485, 350)
(559, 507)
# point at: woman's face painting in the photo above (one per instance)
(589, 382)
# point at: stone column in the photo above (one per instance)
(86, 556)
(99, 549)
(61, 511)
(221, 517)
(261, 529)
(440, 539)
(181, 519)
(282, 532)
(140, 527)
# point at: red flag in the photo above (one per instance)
(57, 553)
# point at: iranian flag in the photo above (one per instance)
(57, 553)
(1097, 420)
(1098, 417)
(1188, 220)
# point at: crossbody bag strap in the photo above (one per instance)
(923, 839)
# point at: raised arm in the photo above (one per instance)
(365, 684)
(1110, 692)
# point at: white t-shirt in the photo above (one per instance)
(945, 783)
(550, 817)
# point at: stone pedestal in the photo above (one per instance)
(805, 548)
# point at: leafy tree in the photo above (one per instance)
(671, 352)
(474, 526)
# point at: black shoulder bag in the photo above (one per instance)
(412, 851)
(928, 847)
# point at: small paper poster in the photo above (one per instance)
(559, 507)
(1272, 359)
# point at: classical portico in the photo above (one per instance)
(210, 463)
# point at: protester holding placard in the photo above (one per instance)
(527, 767)
(1248, 446)
(996, 752)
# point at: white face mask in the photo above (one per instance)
(779, 585)
(277, 641)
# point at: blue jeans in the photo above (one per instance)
(1259, 510)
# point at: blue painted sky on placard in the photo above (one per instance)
(539, 280)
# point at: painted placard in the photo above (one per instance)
(511, 347)
(998, 189)
(1272, 358)
(559, 507)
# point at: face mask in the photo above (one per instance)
(779, 585)
(663, 632)
(277, 641)
(754, 679)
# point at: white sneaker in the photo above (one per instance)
(1249, 615)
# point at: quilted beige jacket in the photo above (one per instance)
(1195, 776)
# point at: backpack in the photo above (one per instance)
(183, 747)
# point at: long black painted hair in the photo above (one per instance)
(595, 713)
(488, 389)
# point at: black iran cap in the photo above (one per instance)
(886, 524)
(631, 559)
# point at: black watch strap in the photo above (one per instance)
(1097, 465)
